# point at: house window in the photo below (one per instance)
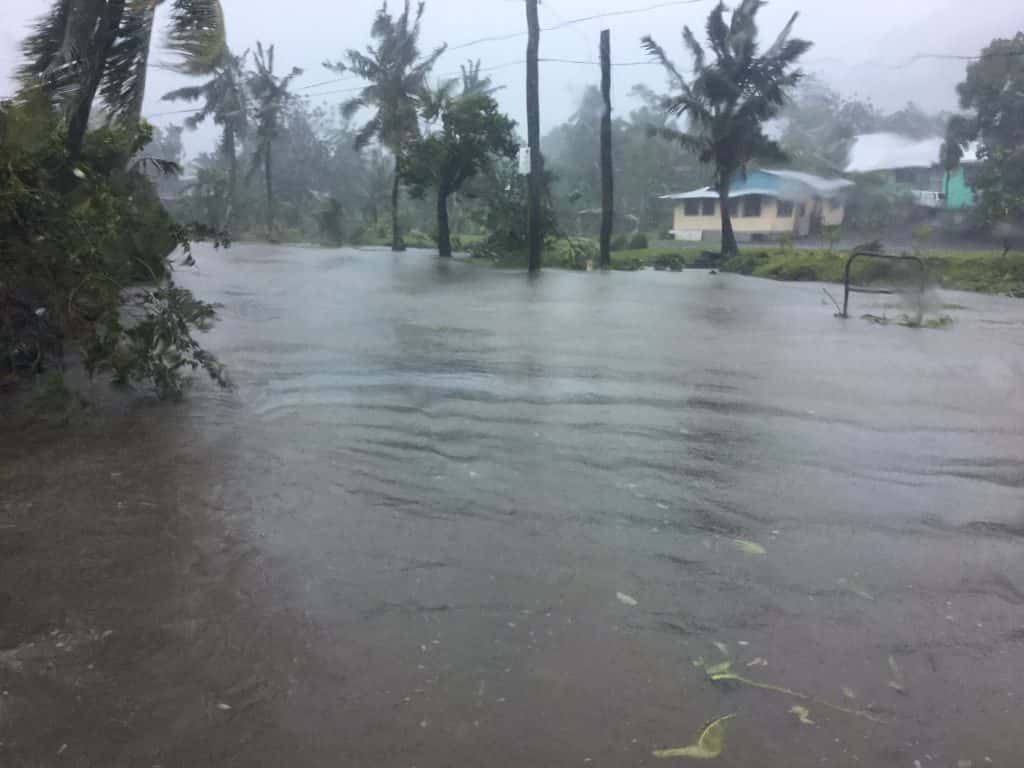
(734, 206)
(801, 211)
(784, 209)
(752, 206)
(707, 208)
(834, 204)
(691, 207)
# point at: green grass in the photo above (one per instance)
(978, 271)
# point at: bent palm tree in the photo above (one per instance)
(397, 77)
(730, 97)
(224, 98)
(271, 97)
(85, 47)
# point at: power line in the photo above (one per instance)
(512, 35)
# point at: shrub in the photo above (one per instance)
(638, 242)
(618, 243)
(574, 253)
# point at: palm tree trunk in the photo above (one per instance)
(444, 238)
(96, 66)
(729, 246)
(229, 150)
(396, 238)
(268, 175)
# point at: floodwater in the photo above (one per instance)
(453, 516)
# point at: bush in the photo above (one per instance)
(618, 243)
(74, 240)
(573, 253)
(673, 262)
(638, 242)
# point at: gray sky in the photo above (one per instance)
(861, 48)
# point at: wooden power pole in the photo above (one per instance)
(535, 181)
(607, 183)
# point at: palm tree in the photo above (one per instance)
(731, 96)
(473, 84)
(397, 77)
(225, 99)
(85, 47)
(271, 97)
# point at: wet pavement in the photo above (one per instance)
(401, 541)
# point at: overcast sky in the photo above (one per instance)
(862, 47)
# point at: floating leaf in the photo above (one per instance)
(749, 547)
(803, 714)
(718, 669)
(708, 746)
(626, 599)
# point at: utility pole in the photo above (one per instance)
(607, 182)
(535, 181)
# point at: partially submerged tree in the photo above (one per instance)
(397, 76)
(270, 97)
(82, 48)
(226, 101)
(473, 132)
(730, 96)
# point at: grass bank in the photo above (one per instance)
(978, 271)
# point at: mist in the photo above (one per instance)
(864, 49)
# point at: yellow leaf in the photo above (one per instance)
(708, 746)
(749, 547)
(803, 714)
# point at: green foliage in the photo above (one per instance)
(619, 243)
(638, 241)
(993, 91)
(500, 210)
(74, 238)
(731, 96)
(330, 222)
(577, 253)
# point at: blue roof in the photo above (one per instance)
(788, 185)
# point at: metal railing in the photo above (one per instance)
(848, 289)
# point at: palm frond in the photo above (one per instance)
(124, 79)
(368, 132)
(350, 107)
(188, 93)
(655, 50)
(197, 35)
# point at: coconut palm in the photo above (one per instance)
(473, 84)
(270, 100)
(87, 47)
(226, 101)
(397, 78)
(730, 96)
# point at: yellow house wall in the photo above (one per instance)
(831, 218)
(767, 222)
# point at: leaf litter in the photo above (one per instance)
(749, 547)
(708, 746)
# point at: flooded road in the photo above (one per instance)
(451, 516)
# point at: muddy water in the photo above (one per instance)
(401, 540)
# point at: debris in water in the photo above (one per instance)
(722, 673)
(848, 692)
(708, 746)
(223, 706)
(626, 599)
(757, 662)
(803, 714)
(749, 547)
(897, 676)
(722, 647)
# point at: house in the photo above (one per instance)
(765, 205)
(911, 167)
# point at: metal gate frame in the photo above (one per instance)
(848, 289)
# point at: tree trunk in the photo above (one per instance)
(729, 246)
(444, 238)
(396, 236)
(607, 180)
(96, 66)
(535, 182)
(229, 149)
(269, 176)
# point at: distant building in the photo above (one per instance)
(765, 205)
(911, 166)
